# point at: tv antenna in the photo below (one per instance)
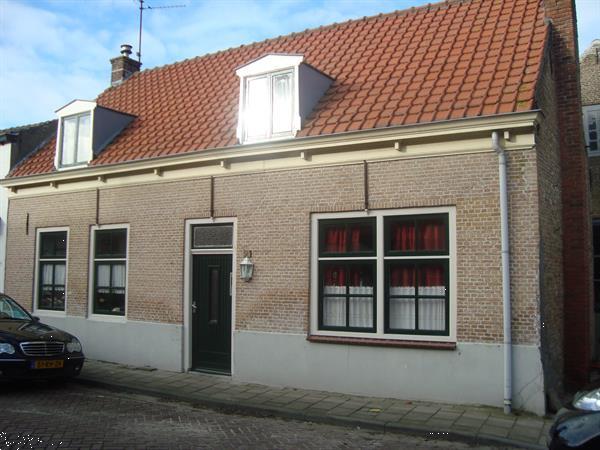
(142, 8)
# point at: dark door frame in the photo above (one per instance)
(186, 359)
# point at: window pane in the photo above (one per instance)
(59, 274)
(361, 312)
(69, 141)
(432, 314)
(334, 280)
(360, 279)
(334, 311)
(282, 103)
(213, 236)
(103, 275)
(432, 280)
(432, 234)
(403, 236)
(84, 138)
(402, 313)
(401, 280)
(257, 107)
(111, 243)
(351, 237)
(107, 302)
(47, 273)
(53, 244)
(46, 298)
(118, 276)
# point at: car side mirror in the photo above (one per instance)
(35, 318)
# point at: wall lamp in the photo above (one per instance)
(247, 266)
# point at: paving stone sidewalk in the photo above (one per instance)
(437, 419)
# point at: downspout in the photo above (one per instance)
(506, 317)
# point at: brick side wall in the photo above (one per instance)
(273, 216)
(576, 203)
(551, 282)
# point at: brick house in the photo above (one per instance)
(409, 189)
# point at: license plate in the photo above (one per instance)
(49, 364)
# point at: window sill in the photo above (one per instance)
(382, 342)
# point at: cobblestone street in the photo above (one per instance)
(50, 415)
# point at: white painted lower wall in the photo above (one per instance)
(471, 374)
(135, 343)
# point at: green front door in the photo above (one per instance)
(211, 313)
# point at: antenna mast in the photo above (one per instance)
(142, 8)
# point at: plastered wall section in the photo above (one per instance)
(273, 218)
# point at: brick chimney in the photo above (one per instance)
(576, 219)
(123, 66)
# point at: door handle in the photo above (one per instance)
(194, 307)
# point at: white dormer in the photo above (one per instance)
(277, 93)
(84, 129)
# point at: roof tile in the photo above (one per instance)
(453, 59)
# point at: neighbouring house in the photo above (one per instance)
(15, 145)
(392, 206)
(590, 99)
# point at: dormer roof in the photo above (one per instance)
(451, 60)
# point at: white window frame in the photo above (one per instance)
(380, 259)
(73, 109)
(270, 134)
(36, 277)
(269, 65)
(91, 274)
(587, 110)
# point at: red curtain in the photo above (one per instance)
(336, 239)
(432, 275)
(403, 236)
(357, 276)
(432, 235)
(334, 276)
(402, 276)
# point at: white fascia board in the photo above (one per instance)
(453, 127)
(75, 107)
(269, 63)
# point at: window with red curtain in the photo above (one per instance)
(416, 260)
(347, 237)
(416, 234)
(347, 295)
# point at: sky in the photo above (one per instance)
(54, 51)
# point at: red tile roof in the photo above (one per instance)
(444, 61)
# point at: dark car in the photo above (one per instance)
(577, 425)
(31, 349)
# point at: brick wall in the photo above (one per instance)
(273, 216)
(576, 206)
(551, 282)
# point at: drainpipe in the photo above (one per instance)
(506, 318)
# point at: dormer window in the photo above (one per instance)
(84, 130)
(277, 92)
(269, 105)
(76, 142)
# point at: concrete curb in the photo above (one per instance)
(247, 407)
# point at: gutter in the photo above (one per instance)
(506, 297)
(308, 144)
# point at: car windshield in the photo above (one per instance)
(10, 310)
